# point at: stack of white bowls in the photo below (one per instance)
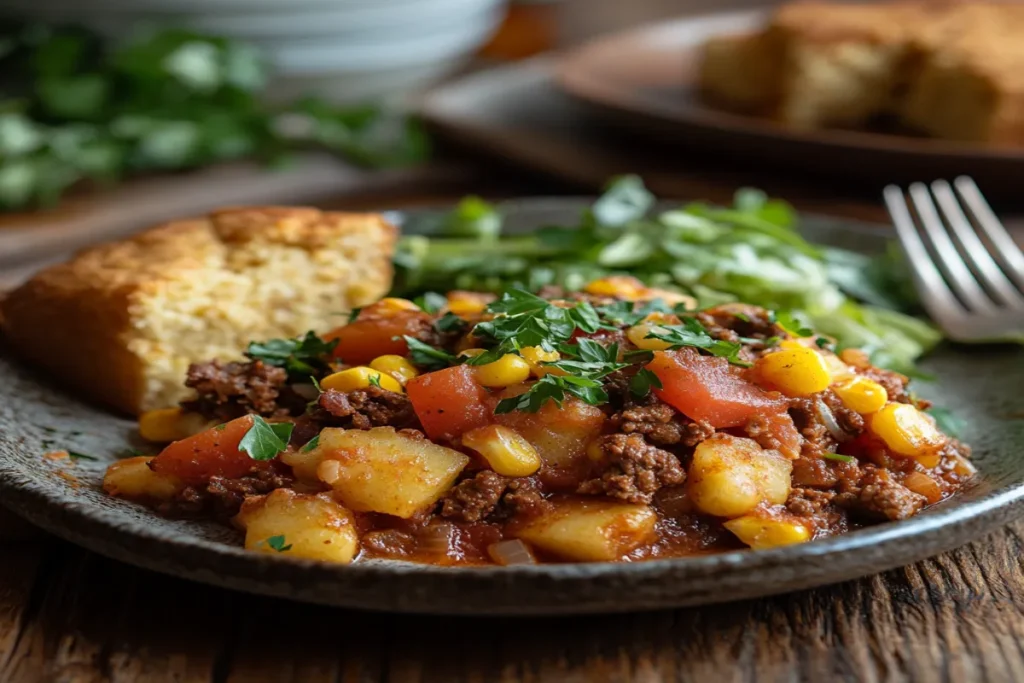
(344, 50)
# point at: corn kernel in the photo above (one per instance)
(761, 533)
(862, 395)
(169, 424)
(359, 378)
(906, 430)
(795, 371)
(391, 305)
(536, 355)
(839, 370)
(504, 449)
(396, 366)
(622, 286)
(508, 370)
(638, 335)
(467, 303)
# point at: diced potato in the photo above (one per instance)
(590, 530)
(381, 470)
(133, 479)
(730, 476)
(313, 527)
(560, 435)
(761, 533)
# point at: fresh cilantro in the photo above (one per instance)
(630, 313)
(300, 357)
(74, 455)
(353, 315)
(488, 356)
(311, 444)
(428, 357)
(793, 322)
(823, 343)
(554, 388)
(278, 543)
(316, 384)
(264, 441)
(692, 333)
(431, 302)
(638, 356)
(839, 458)
(449, 323)
(375, 380)
(947, 421)
(642, 382)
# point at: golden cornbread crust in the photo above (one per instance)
(952, 70)
(122, 321)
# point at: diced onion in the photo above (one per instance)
(306, 391)
(964, 467)
(437, 539)
(921, 483)
(829, 420)
(511, 552)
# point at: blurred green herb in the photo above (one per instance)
(76, 108)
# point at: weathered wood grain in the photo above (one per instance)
(68, 615)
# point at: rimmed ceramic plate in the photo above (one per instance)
(646, 79)
(63, 496)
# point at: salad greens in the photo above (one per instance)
(76, 107)
(748, 252)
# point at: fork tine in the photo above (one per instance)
(1005, 247)
(950, 261)
(935, 294)
(985, 267)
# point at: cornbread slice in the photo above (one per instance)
(121, 322)
(742, 72)
(843, 64)
(970, 86)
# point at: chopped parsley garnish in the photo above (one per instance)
(278, 543)
(311, 444)
(839, 458)
(354, 314)
(74, 455)
(428, 357)
(642, 383)
(301, 357)
(793, 322)
(264, 441)
(375, 380)
(431, 302)
(450, 323)
(629, 313)
(691, 333)
(823, 343)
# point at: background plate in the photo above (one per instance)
(63, 497)
(645, 79)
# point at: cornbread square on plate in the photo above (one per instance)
(843, 64)
(970, 83)
(122, 322)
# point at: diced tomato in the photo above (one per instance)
(781, 427)
(375, 334)
(449, 402)
(208, 454)
(706, 388)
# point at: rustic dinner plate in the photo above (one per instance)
(982, 386)
(646, 80)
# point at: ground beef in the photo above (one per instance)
(818, 439)
(471, 500)
(364, 408)
(809, 502)
(633, 469)
(661, 424)
(388, 543)
(751, 322)
(229, 390)
(523, 498)
(222, 497)
(877, 497)
(815, 473)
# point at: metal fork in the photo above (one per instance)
(973, 288)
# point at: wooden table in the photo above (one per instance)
(68, 615)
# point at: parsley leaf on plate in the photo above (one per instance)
(428, 357)
(278, 543)
(264, 441)
(301, 357)
(692, 333)
(642, 382)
